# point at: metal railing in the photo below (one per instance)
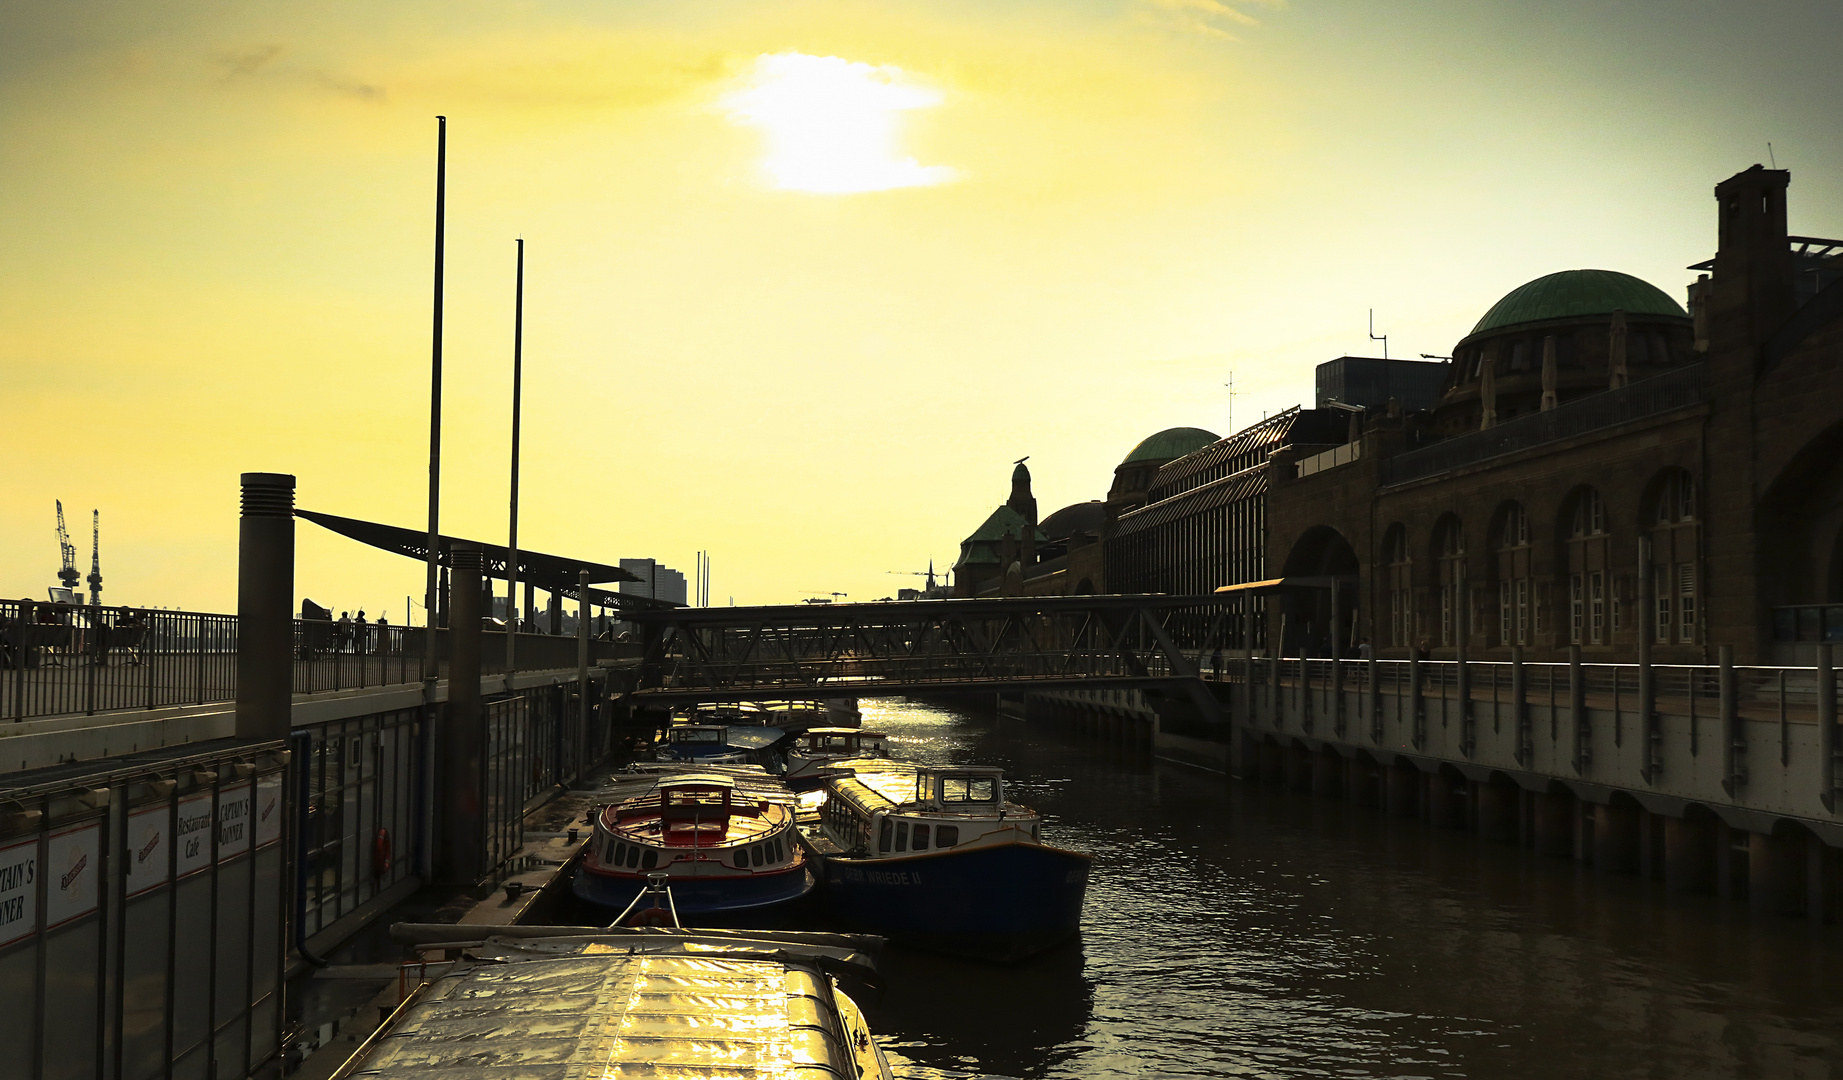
(66, 659)
(1648, 397)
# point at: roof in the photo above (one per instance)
(1574, 293)
(1003, 522)
(604, 1005)
(1170, 444)
(533, 566)
(1082, 517)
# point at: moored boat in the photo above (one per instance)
(935, 856)
(724, 841)
(815, 754)
(719, 744)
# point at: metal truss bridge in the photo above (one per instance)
(930, 646)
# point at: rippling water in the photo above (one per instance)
(1233, 930)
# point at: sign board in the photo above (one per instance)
(235, 820)
(193, 834)
(73, 865)
(268, 809)
(150, 850)
(18, 890)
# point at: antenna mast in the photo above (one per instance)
(1373, 336)
(1231, 385)
(95, 578)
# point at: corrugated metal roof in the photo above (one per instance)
(604, 1012)
(1217, 493)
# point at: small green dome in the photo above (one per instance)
(1170, 444)
(1574, 293)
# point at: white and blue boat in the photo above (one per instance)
(723, 839)
(935, 856)
(719, 744)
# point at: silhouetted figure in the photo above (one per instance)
(344, 638)
(1365, 651)
(362, 643)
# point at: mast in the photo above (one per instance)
(518, 375)
(431, 662)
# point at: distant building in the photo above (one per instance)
(657, 580)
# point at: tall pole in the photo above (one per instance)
(431, 663)
(518, 375)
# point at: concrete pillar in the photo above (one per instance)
(1327, 771)
(1442, 805)
(1689, 855)
(1616, 839)
(265, 607)
(1404, 786)
(1554, 823)
(1817, 880)
(1776, 872)
(1497, 813)
(1360, 782)
(461, 827)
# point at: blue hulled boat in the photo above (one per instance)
(936, 857)
(723, 839)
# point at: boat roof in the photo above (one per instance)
(749, 781)
(842, 731)
(561, 1008)
(877, 780)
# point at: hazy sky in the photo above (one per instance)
(803, 278)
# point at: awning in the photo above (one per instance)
(1297, 581)
(549, 572)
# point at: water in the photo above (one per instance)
(1234, 930)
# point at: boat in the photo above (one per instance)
(935, 856)
(814, 755)
(722, 839)
(530, 1001)
(719, 744)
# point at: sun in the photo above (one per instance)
(833, 125)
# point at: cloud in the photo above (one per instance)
(258, 62)
(1202, 16)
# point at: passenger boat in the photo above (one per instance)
(815, 754)
(719, 744)
(936, 857)
(724, 840)
(561, 1002)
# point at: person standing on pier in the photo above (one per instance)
(361, 642)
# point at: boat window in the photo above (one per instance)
(694, 735)
(884, 831)
(649, 859)
(921, 838)
(755, 854)
(633, 857)
(780, 849)
(969, 789)
(946, 836)
(902, 836)
(620, 849)
(740, 858)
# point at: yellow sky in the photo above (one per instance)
(219, 225)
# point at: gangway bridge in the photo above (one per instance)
(692, 655)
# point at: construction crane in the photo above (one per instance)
(820, 599)
(928, 573)
(68, 572)
(95, 578)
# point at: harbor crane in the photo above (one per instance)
(928, 573)
(67, 573)
(95, 578)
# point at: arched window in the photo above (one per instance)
(1449, 558)
(1588, 600)
(1515, 589)
(1672, 525)
(1397, 577)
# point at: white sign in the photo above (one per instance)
(72, 865)
(149, 851)
(269, 809)
(235, 821)
(193, 836)
(18, 890)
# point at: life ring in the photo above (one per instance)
(652, 916)
(380, 852)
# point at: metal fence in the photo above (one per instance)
(62, 659)
(1648, 397)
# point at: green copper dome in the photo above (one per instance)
(1170, 444)
(1574, 293)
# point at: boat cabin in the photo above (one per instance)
(962, 789)
(902, 809)
(842, 742)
